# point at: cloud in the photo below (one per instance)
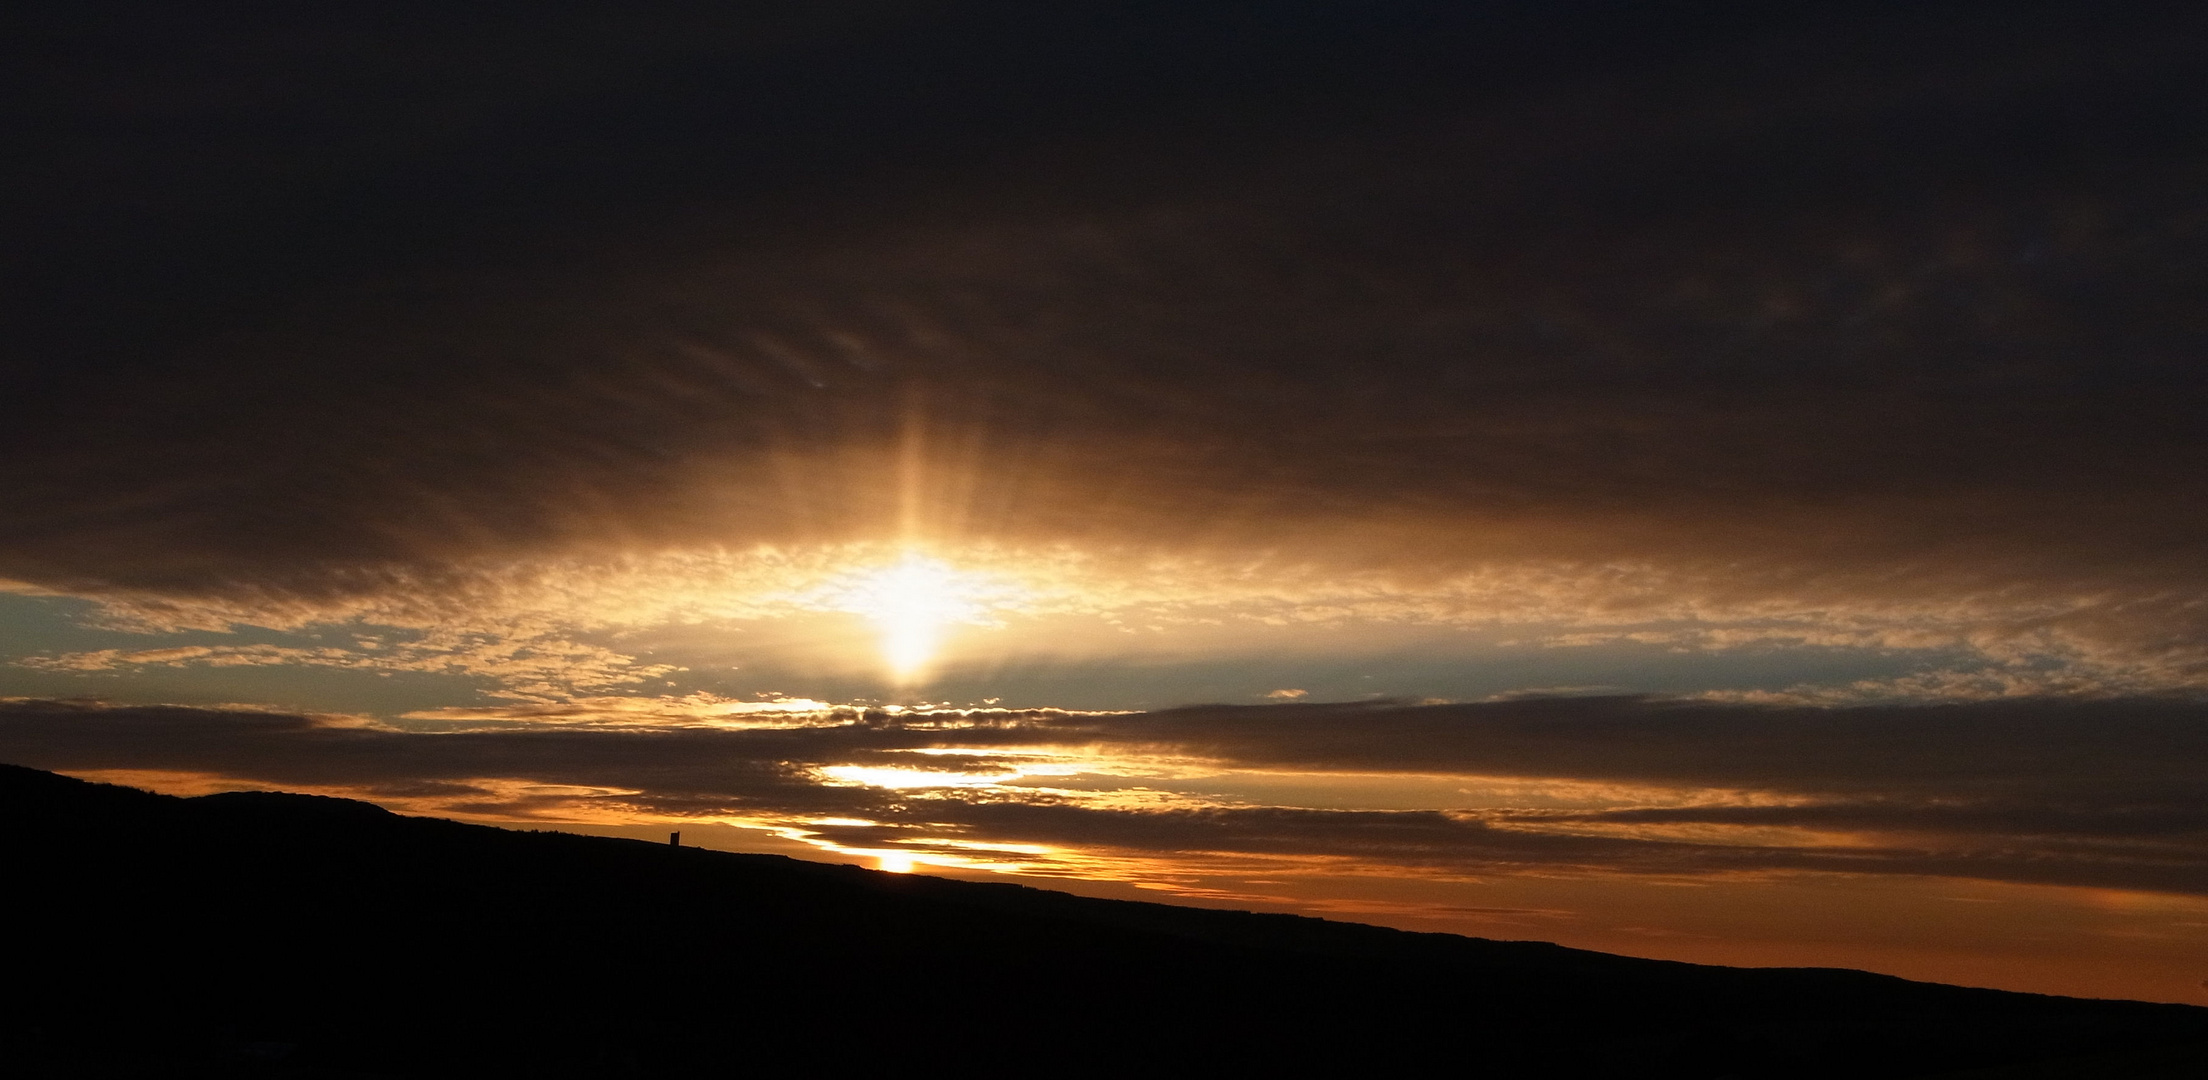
(564, 627)
(700, 710)
(2098, 793)
(535, 666)
(1411, 313)
(2112, 758)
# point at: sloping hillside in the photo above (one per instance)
(292, 935)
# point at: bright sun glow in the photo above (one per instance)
(913, 601)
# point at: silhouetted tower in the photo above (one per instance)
(674, 839)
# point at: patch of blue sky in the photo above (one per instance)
(34, 627)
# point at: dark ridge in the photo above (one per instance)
(261, 934)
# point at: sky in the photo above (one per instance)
(1715, 481)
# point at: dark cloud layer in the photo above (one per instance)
(2027, 748)
(1906, 293)
(2105, 794)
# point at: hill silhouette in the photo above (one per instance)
(263, 934)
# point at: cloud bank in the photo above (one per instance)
(1869, 312)
(2103, 794)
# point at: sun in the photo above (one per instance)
(913, 602)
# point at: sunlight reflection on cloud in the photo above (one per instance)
(556, 630)
(2049, 792)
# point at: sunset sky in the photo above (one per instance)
(1716, 481)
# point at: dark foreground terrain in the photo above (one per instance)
(262, 934)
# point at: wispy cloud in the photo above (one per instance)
(553, 629)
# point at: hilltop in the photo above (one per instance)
(266, 934)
